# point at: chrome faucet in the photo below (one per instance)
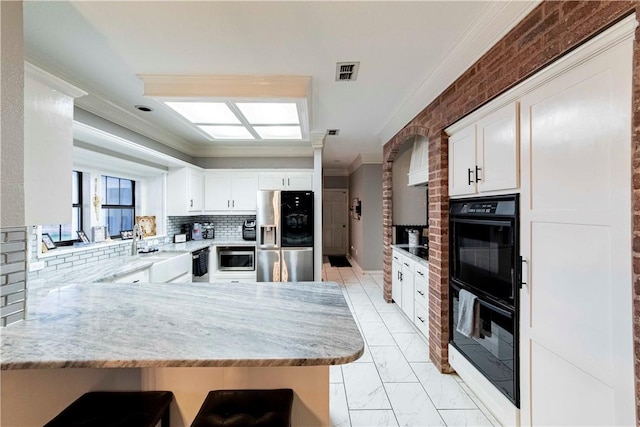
(137, 233)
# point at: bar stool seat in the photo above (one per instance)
(246, 408)
(116, 409)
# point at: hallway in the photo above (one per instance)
(393, 383)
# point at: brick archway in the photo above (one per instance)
(390, 153)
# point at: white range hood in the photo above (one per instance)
(419, 166)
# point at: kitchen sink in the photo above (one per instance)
(168, 266)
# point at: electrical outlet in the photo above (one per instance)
(35, 266)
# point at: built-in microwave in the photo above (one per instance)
(236, 258)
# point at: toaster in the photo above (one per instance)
(249, 229)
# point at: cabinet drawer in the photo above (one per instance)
(421, 319)
(422, 291)
(137, 277)
(422, 271)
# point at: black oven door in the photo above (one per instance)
(494, 352)
(483, 256)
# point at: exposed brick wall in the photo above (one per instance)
(636, 210)
(549, 31)
(13, 277)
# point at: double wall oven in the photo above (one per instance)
(485, 260)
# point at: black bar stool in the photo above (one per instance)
(116, 409)
(244, 408)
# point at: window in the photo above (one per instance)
(118, 208)
(65, 234)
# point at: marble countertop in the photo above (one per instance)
(119, 325)
(407, 251)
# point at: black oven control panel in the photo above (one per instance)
(487, 207)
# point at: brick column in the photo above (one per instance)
(439, 251)
(387, 221)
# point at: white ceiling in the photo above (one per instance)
(408, 52)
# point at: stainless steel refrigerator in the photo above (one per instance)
(284, 236)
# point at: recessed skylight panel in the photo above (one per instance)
(270, 113)
(205, 112)
(278, 132)
(227, 132)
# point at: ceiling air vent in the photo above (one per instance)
(333, 132)
(347, 71)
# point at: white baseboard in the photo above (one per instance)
(496, 403)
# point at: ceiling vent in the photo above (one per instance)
(333, 132)
(347, 71)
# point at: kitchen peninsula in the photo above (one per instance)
(188, 338)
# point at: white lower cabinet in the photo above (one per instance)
(421, 301)
(410, 289)
(407, 287)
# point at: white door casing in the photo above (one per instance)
(576, 307)
(335, 220)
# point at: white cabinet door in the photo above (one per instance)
(272, 181)
(577, 360)
(231, 191)
(244, 189)
(407, 287)
(498, 150)
(302, 181)
(294, 181)
(462, 162)
(185, 192)
(196, 191)
(396, 281)
(217, 196)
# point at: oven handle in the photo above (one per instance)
(504, 223)
(490, 306)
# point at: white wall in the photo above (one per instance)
(12, 115)
(366, 233)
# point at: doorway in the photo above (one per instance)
(335, 221)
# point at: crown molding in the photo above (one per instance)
(490, 26)
(335, 172)
(253, 151)
(48, 79)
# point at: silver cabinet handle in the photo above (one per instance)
(524, 272)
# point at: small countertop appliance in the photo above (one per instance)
(249, 229)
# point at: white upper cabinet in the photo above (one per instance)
(185, 192)
(302, 181)
(230, 192)
(48, 147)
(484, 156)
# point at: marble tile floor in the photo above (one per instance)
(393, 383)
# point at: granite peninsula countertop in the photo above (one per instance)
(120, 325)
